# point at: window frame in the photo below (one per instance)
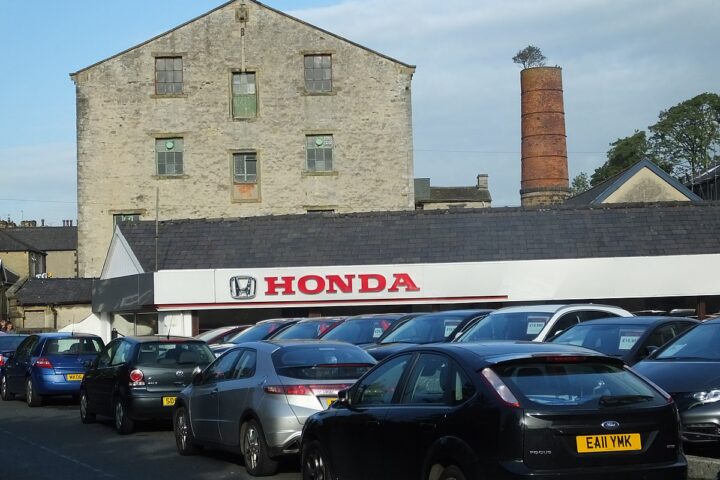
(358, 391)
(244, 153)
(157, 71)
(312, 69)
(322, 148)
(233, 113)
(168, 140)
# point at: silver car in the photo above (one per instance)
(255, 398)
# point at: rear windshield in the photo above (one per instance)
(425, 329)
(10, 342)
(72, 346)
(581, 385)
(507, 326)
(366, 330)
(306, 330)
(210, 334)
(174, 354)
(700, 343)
(319, 362)
(609, 339)
(261, 331)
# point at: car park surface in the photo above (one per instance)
(631, 339)
(497, 410)
(255, 398)
(48, 364)
(138, 378)
(537, 323)
(688, 368)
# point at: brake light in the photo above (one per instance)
(137, 378)
(317, 390)
(500, 388)
(2, 360)
(43, 362)
(564, 359)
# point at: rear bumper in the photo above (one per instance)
(673, 471)
(55, 384)
(149, 406)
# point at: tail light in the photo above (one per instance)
(500, 388)
(2, 360)
(43, 362)
(317, 390)
(137, 378)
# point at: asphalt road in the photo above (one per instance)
(49, 442)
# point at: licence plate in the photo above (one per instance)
(168, 401)
(329, 401)
(74, 377)
(616, 442)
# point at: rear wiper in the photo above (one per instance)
(614, 400)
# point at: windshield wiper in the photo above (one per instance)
(614, 400)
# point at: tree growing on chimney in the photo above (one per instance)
(530, 56)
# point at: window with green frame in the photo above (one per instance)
(244, 95)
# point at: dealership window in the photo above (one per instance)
(319, 153)
(169, 156)
(244, 95)
(168, 75)
(245, 167)
(318, 73)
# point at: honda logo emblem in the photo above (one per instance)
(242, 287)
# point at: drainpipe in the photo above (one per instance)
(55, 315)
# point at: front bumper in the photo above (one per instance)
(701, 424)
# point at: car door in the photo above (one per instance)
(234, 394)
(18, 366)
(92, 381)
(204, 406)
(110, 376)
(355, 442)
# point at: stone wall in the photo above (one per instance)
(61, 264)
(119, 116)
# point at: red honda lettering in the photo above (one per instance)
(366, 278)
(319, 284)
(336, 282)
(283, 283)
(403, 280)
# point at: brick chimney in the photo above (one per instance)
(544, 150)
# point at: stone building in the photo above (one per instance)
(428, 197)
(242, 111)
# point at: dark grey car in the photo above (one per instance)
(255, 398)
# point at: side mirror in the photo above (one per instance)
(197, 375)
(343, 398)
(554, 336)
(650, 349)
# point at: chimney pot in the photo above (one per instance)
(482, 181)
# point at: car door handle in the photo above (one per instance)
(427, 426)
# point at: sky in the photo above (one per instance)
(623, 62)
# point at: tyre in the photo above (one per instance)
(451, 473)
(4, 392)
(184, 438)
(31, 396)
(86, 416)
(315, 462)
(255, 451)
(123, 423)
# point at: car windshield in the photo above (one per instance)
(614, 340)
(583, 384)
(173, 354)
(507, 326)
(72, 346)
(362, 330)
(307, 330)
(319, 362)
(210, 334)
(425, 329)
(699, 343)
(10, 342)
(261, 331)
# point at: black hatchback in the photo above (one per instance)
(496, 410)
(139, 378)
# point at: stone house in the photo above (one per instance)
(31, 251)
(242, 111)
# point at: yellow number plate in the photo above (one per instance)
(330, 401)
(74, 377)
(168, 401)
(617, 442)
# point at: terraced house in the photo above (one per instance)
(242, 111)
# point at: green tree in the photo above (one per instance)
(687, 136)
(579, 184)
(530, 56)
(624, 153)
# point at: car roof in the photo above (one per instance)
(278, 320)
(322, 319)
(457, 313)
(65, 335)
(642, 320)
(373, 316)
(272, 345)
(550, 308)
(160, 338)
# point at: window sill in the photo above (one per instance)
(170, 177)
(244, 119)
(245, 200)
(329, 173)
(168, 95)
(319, 94)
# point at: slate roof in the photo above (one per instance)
(429, 236)
(39, 239)
(458, 194)
(55, 291)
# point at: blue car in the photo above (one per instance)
(48, 364)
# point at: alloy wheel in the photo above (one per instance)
(315, 465)
(119, 415)
(83, 405)
(29, 392)
(181, 430)
(3, 387)
(252, 447)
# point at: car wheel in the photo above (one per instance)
(314, 462)
(255, 451)
(31, 396)
(4, 392)
(86, 416)
(184, 438)
(451, 473)
(123, 423)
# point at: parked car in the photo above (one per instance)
(308, 329)
(221, 334)
(493, 410)
(139, 378)
(422, 329)
(8, 345)
(255, 398)
(630, 339)
(688, 367)
(537, 323)
(364, 329)
(262, 330)
(48, 364)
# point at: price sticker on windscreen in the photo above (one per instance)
(450, 327)
(377, 332)
(628, 339)
(535, 325)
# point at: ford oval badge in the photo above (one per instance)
(610, 425)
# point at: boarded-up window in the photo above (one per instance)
(34, 319)
(169, 156)
(244, 95)
(245, 167)
(168, 75)
(319, 153)
(318, 73)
